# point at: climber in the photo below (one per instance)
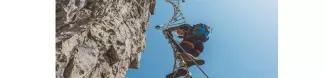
(193, 40)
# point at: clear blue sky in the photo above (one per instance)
(243, 43)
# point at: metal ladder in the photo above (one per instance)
(176, 20)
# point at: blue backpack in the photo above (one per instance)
(202, 31)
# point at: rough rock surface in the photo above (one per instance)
(100, 38)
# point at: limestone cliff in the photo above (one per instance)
(100, 38)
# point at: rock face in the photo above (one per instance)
(100, 38)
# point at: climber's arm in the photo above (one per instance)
(183, 26)
(173, 28)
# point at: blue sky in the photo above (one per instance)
(243, 43)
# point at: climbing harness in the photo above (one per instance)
(177, 19)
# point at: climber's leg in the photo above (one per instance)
(195, 53)
(190, 63)
(188, 47)
(188, 58)
(190, 54)
(185, 56)
(180, 72)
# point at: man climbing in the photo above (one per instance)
(193, 40)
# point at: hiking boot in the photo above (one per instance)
(190, 63)
(180, 72)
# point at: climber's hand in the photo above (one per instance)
(185, 56)
(166, 31)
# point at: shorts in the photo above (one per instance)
(189, 48)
